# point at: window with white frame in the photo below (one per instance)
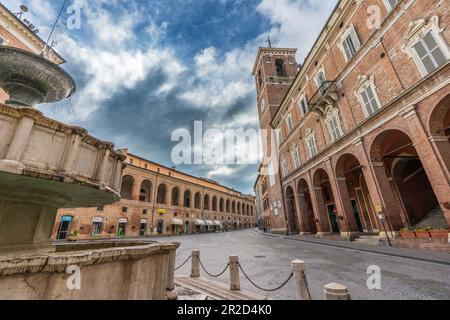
(426, 46)
(390, 4)
(321, 81)
(333, 123)
(290, 123)
(296, 158)
(303, 104)
(280, 137)
(2, 41)
(368, 96)
(312, 145)
(284, 165)
(350, 43)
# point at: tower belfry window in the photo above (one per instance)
(281, 72)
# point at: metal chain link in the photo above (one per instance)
(182, 265)
(214, 275)
(263, 289)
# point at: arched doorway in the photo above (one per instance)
(440, 131)
(306, 209)
(350, 176)
(291, 210)
(145, 192)
(328, 215)
(408, 179)
(126, 190)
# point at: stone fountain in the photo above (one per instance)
(46, 165)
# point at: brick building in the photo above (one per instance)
(365, 122)
(161, 199)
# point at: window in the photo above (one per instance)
(97, 225)
(312, 146)
(350, 43)
(124, 209)
(296, 158)
(390, 4)
(281, 72)
(368, 96)
(303, 103)
(284, 165)
(280, 137)
(144, 211)
(290, 123)
(321, 82)
(429, 53)
(334, 124)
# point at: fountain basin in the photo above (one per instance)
(30, 79)
(107, 270)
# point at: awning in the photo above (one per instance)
(97, 220)
(217, 223)
(143, 221)
(123, 221)
(177, 222)
(199, 222)
(209, 223)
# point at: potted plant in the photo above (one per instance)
(73, 236)
(423, 233)
(439, 233)
(407, 233)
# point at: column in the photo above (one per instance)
(347, 204)
(441, 147)
(302, 212)
(323, 225)
(430, 162)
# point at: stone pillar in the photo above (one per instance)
(235, 283)
(305, 225)
(72, 149)
(104, 158)
(301, 283)
(430, 162)
(336, 291)
(323, 225)
(441, 147)
(347, 205)
(195, 270)
(171, 271)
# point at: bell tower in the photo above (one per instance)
(275, 70)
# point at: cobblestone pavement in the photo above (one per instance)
(267, 261)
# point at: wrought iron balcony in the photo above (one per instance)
(325, 96)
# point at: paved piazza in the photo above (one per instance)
(267, 261)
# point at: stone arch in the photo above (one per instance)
(233, 207)
(127, 188)
(176, 196)
(308, 224)
(198, 201)
(187, 199)
(401, 175)
(222, 205)
(162, 194)
(145, 191)
(291, 210)
(228, 206)
(214, 203)
(328, 216)
(206, 202)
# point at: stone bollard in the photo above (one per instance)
(195, 270)
(301, 284)
(336, 291)
(235, 284)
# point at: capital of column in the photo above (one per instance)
(408, 112)
(377, 164)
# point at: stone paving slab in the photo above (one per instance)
(421, 255)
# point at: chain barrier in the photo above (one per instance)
(213, 275)
(182, 265)
(263, 289)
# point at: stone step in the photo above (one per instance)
(216, 290)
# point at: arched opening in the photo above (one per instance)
(402, 170)
(355, 195)
(243, 209)
(214, 204)
(187, 199)
(228, 206)
(198, 201)
(221, 205)
(176, 196)
(206, 202)
(126, 190)
(306, 209)
(328, 215)
(248, 210)
(440, 131)
(233, 207)
(281, 71)
(291, 210)
(239, 208)
(162, 192)
(146, 191)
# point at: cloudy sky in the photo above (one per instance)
(145, 68)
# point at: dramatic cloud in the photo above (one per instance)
(147, 68)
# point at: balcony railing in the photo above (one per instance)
(325, 94)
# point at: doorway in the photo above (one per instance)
(357, 217)
(121, 231)
(333, 219)
(186, 227)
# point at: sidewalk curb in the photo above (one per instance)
(336, 245)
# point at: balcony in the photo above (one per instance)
(325, 96)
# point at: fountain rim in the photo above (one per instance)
(45, 61)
